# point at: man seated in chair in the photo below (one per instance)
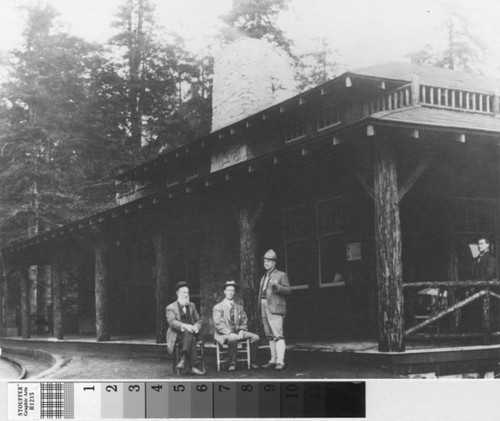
(184, 324)
(231, 326)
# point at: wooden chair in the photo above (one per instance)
(242, 353)
(200, 349)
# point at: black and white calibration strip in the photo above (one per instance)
(373, 400)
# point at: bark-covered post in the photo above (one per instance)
(3, 298)
(486, 317)
(101, 290)
(57, 298)
(161, 286)
(388, 250)
(247, 219)
(25, 303)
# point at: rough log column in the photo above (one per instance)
(388, 250)
(3, 299)
(247, 220)
(101, 291)
(161, 286)
(57, 299)
(25, 303)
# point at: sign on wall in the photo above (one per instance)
(353, 251)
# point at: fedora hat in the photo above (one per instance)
(230, 284)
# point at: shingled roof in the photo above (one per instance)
(431, 76)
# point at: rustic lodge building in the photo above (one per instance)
(371, 188)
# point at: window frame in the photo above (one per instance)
(338, 233)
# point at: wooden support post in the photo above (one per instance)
(25, 303)
(3, 303)
(249, 262)
(388, 250)
(486, 317)
(161, 286)
(57, 304)
(101, 291)
(415, 90)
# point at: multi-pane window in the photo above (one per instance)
(295, 222)
(192, 173)
(172, 181)
(329, 214)
(314, 237)
(329, 227)
(294, 129)
(328, 116)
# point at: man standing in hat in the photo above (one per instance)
(231, 326)
(274, 287)
(184, 324)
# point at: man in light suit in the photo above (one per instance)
(274, 287)
(184, 324)
(231, 326)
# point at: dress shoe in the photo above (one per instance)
(268, 365)
(279, 367)
(197, 371)
(254, 366)
(232, 367)
(182, 363)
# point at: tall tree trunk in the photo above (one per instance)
(247, 220)
(161, 286)
(25, 303)
(388, 250)
(101, 291)
(57, 299)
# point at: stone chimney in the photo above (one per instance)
(249, 76)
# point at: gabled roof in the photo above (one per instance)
(431, 76)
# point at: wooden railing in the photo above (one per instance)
(398, 98)
(457, 99)
(414, 93)
(478, 290)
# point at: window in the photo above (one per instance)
(329, 215)
(172, 181)
(315, 243)
(192, 173)
(296, 246)
(329, 228)
(295, 129)
(328, 116)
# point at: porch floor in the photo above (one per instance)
(124, 355)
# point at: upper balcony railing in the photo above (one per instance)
(454, 99)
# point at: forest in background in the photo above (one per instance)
(74, 114)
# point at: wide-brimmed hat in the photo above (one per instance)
(180, 284)
(230, 284)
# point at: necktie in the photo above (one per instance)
(266, 281)
(231, 311)
(184, 310)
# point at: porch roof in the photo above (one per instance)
(448, 119)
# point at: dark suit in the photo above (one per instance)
(484, 268)
(175, 333)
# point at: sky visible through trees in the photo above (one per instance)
(74, 112)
